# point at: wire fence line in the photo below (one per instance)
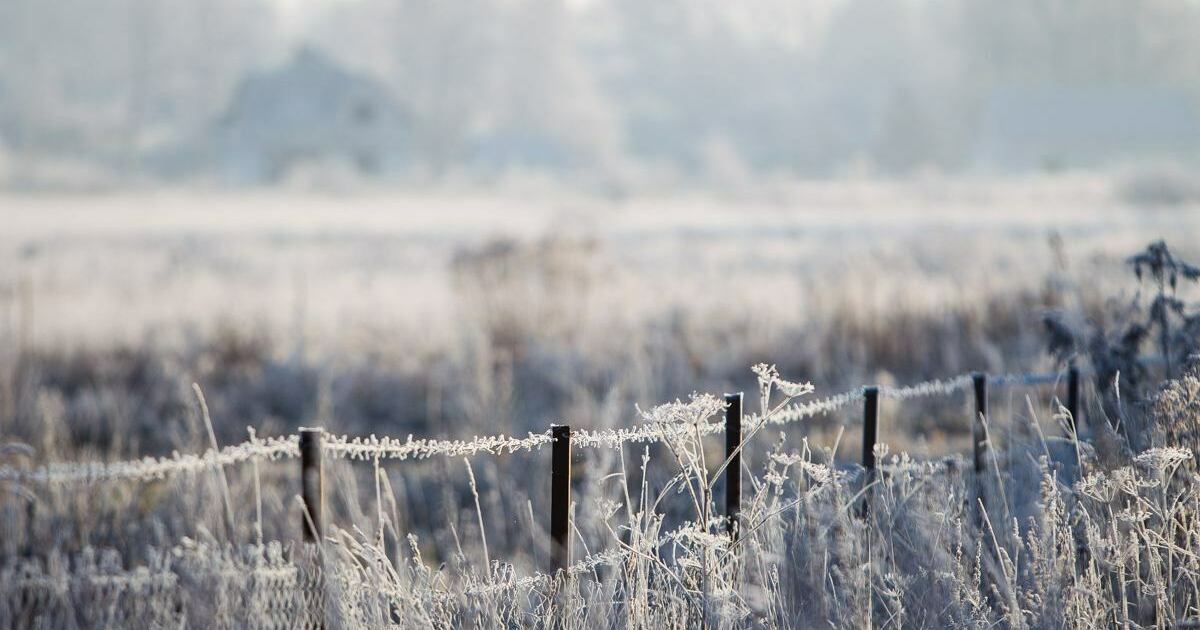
(373, 447)
(139, 577)
(182, 586)
(386, 448)
(151, 468)
(940, 387)
(279, 574)
(389, 448)
(927, 389)
(300, 593)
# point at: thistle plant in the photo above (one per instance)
(1122, 372)
(1164, 271)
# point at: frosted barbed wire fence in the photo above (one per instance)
(157, 467)
(373, 447)
(803, 410)
(800, 411)
(137, 578)
(390, 448)
(185, 585)
(285, 591)
(938, 387)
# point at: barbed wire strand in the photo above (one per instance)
(373, 447)
(151, 468)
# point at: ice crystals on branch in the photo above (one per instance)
(697, 410)
(768, 378)
(1163, 459)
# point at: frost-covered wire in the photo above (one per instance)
(156, 467)
(390, 448)
(803, 410)
(373, 447)
(937, 387)
(138, 579)
(615, 438)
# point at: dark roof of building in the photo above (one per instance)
(310, 91)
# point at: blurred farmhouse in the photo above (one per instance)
(309, 114)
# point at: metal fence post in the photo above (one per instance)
(312, 485)
(1073, 399)
(978, 434)
(870, 426)
(733, 459)
(312, 523)
(870, 436)
(560, 496)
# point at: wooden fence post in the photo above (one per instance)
(870, 426)
(978, 434)
(312, 485)
(1073, 398)
(312, 523)
(870, 436)
(733, 459)
(560, 496)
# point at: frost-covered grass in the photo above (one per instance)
(1052, 534)
(447, 318)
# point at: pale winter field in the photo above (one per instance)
(451, 316)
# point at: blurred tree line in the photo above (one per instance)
(673, 89)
